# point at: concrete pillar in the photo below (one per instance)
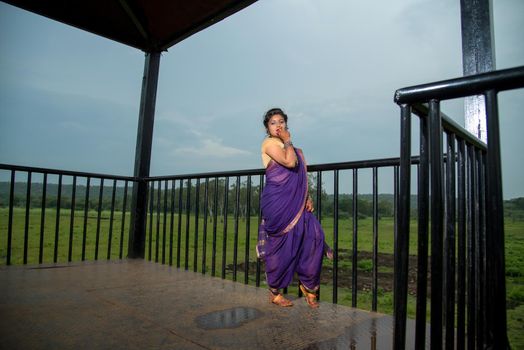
(478, 56)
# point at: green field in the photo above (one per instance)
(158, 249)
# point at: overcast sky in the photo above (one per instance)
(70, 99)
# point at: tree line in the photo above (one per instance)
(216, 198)
(514, 208)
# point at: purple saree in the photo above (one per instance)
(290, 239)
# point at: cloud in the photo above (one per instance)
(212, 148)
(72, 126)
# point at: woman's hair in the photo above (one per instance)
(272, 112)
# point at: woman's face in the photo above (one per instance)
(275, 125)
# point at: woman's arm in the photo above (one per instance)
(285, 156)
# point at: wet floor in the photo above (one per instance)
(135, 304)
(229, 318)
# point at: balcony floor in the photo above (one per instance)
(136, 304)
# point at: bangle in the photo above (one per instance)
(287, 144)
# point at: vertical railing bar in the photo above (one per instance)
(27, 210)
(402, 239)
(495, 226)
(461, 249)
(151, 217)
(188, 219)
(111, 219)
(481, 257)
(261, 188)
(483, 249)
(215, 217)
(375, 241)
(478, 257)
(449, 244)
(179, 233)
(395, 200)
(318, 205)
(157, 235)
(172, 221)
(72, 221)
(10, 219)
(422, 234)
(197, 209)
(335, 235)
(354, 254)
(437, 197)
(204, 228)
(248, 229)
(235, 230)
(470, 257)
(124, 209)
(99, 215)
(86, 214)
(164, 227)
(57, 221)
(224, 237)
(42, 220)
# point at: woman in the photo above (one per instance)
(290, 238)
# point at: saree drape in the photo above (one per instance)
(290, 239)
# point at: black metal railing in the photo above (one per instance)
(203, 222)
(209, 222)
(460, 208)
(57, 216)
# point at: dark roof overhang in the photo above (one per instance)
(148, 25)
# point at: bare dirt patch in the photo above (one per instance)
(385, 275)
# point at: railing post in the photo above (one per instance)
(422, 235)
(437, 226)
(402, 238)
(496, 315)
(143, 155)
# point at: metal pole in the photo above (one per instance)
(477, 57)
(495, 228)
(400, 293)
(144, 142)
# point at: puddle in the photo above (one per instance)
(229, 318)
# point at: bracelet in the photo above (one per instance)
(287, 144)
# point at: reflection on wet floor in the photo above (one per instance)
(362, 335)
(229, 318)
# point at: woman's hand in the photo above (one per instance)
(284, 135)
(309, 205)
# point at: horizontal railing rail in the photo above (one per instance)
(459, 207)
(500, 80)
(26, 169)
(422, 110)
(360, 164)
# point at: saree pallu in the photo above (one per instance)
(290, 239)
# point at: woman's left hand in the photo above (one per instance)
(309, 205)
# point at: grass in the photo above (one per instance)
(160, 231)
